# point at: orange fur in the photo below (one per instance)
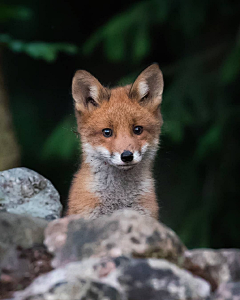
(150, 203)
(119, 109)
(78, 191)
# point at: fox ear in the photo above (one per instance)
(87, 91)
(148, 87)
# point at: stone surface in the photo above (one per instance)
(21, 266)
(117, 278)
(123, 233)
(216, 266)
(228, 291)
(18, 230)
(77, 290)
(158, 279)
(23, 191)
(24, 231)
(124, 256)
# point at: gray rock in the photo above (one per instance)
(158, 279)
(18, 230)
(88, 270)
(122, 233)
(228, 291)
(117, 278)
(77, 289)
(21, 266)
(216, 266)
(23, 191)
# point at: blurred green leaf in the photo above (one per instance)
(231, 67)
(210, 142)
(115, 47)
(5, 38)
(38, 50)
(175, 130)
(192, 16)
(190, 228)
(9, 12)
(128, 79)
(141, 43)
(161, 9)
(133, 25)
(62, 142)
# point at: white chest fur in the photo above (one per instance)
(118, 189)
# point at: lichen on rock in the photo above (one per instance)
(123, 256)
(118, 278)
(123, 233)
(24, 191)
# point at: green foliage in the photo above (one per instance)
(38, 50)
(195, 103)
(231, 67)
(8, 12)
(135, 24)
(210, 142)
(197, 46)
(131, 25)
(62, 142)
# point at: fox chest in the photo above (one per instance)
(117, 190)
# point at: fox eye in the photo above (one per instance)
(107, 132)
(138, 130)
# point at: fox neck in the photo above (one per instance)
(116, 188)
(107, 177)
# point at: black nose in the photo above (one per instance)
(126, 156)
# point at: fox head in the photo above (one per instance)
(119, 126)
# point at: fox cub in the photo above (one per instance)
(119, 130)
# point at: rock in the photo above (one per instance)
(228, 291)
(122, 233)
(78, 289)
(20, 231)
(23, 191)
(89, 270)
(158, 279)
(79, 280)
(117, 279)
(21, 266)
(216, 266)
(24, 231)
(22, 254)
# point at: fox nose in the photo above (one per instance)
(127, 156)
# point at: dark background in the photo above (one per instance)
(197, 45)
